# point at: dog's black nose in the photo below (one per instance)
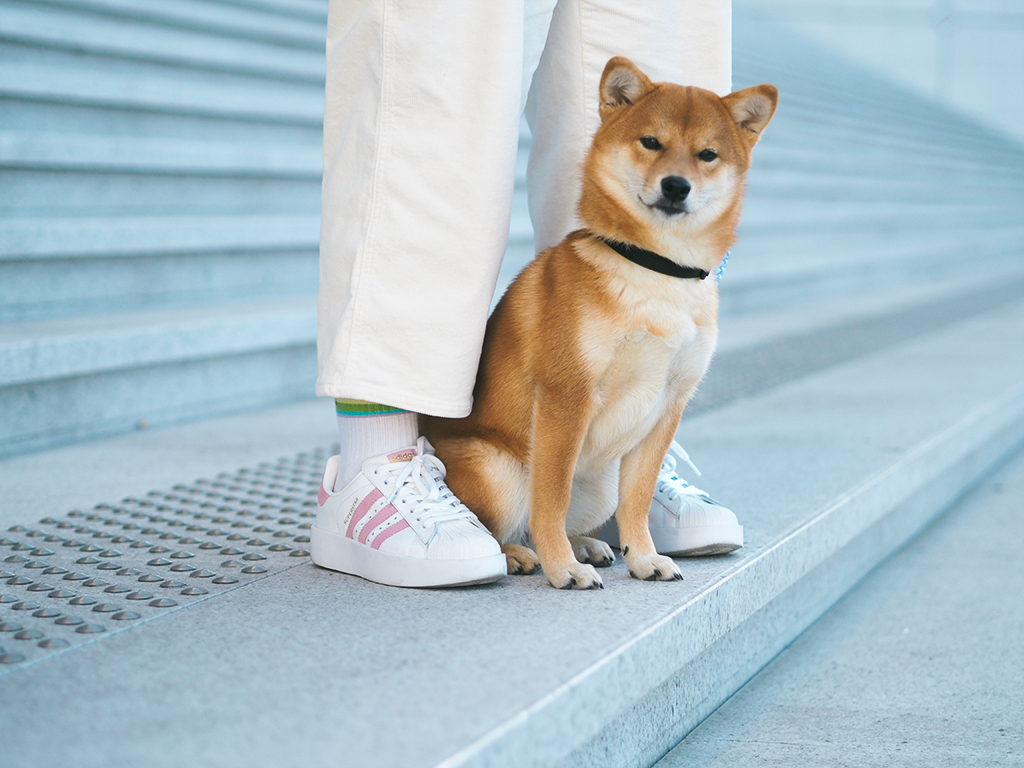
(675, 188)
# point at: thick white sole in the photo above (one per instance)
(684, 542)
(340, 553)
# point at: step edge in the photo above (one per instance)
(926, 461)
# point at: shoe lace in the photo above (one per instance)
(669, 483)
(421, 482)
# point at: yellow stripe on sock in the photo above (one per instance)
(346, 407)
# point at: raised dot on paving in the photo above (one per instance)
(254, 569)
(82, 600)
(28, 634)
(54, 570)
(68, 621)
(75, 576)
(7, 599)
(173, 584)
(225, 580)
(53, 642)
(23, 605)
(163, 602)
(106, 608)
(202, 573)
(10, 626)
(19, 581)
(148, 578)
(194, 591)
(95, 583)
(87, 561)
(158, 562)
(61, 594)
(182, 568)
(117, 589)
(41, 587)
(140, 595)
(46, 613)
(126, 616)
(254, 556)
(89, 629)
(11, 658)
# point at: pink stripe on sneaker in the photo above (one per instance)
(364, 506)
(379, 518)
(398, 527)
(322, 496)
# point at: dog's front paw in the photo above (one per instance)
(520, 560)
(652, 567)
(593, 551)
(574, 576)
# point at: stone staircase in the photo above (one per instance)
(159, 211)
(158, 263)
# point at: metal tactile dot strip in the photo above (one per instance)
(177, 540)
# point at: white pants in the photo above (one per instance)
(420, 134)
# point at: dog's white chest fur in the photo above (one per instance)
(643, 375)
(644, 368)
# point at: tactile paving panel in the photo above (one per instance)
(71, 579)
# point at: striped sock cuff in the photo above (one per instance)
(345, 407)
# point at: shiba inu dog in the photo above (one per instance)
(594, 350)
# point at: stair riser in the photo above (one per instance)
(33, 115)
(46, 414)
(65, 193)
(40, 288)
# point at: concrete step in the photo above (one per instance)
(128, 38)
(911, 668)
(60, 267)
(83, 377)
(280, 23)
(830, 469)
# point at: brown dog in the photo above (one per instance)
(592, 354)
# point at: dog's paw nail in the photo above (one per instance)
(625, 550)
(599, 585)
(536, 567)
(677, 576)
(654, 576)
(633, 575)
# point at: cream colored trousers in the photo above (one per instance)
(420, 134)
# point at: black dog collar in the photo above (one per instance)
(654, 261)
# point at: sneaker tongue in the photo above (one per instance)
(402, 456)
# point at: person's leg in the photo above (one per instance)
(420, 135)
(680, 41)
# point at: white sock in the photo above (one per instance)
(366, 436)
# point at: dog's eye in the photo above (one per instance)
(707, 155)
(650, 142)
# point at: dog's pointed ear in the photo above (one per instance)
(621, 85)
(752, 109)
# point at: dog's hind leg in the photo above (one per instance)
(521, 560)
(593, 551)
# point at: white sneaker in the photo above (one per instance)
(398, 523)
(684, 521)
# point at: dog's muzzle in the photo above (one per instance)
(674, 190)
